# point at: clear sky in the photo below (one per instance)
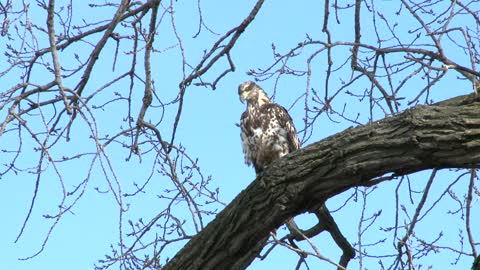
(208, 132)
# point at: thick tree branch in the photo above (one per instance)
(445, 135)
(326, 222)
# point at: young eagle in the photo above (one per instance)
(267, 130)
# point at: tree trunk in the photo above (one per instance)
(444, 135)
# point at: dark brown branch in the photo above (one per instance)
(331, 226)
(445, 135)
(468, 209)
(326, 222)
(476, 263)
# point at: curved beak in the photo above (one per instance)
(243, 97)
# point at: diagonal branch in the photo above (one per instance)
(53, 47)
(100, 46)
(445, 135)
(210, 58)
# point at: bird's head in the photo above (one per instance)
(250, 91)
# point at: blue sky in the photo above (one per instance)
(208, 132)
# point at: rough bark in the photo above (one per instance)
(444, 135)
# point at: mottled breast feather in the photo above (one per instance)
(267, 133)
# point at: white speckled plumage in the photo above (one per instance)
(267, 130)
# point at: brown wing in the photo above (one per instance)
(267, 133)
(280, 114)
(246, 135)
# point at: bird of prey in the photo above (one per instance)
(267, 130)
